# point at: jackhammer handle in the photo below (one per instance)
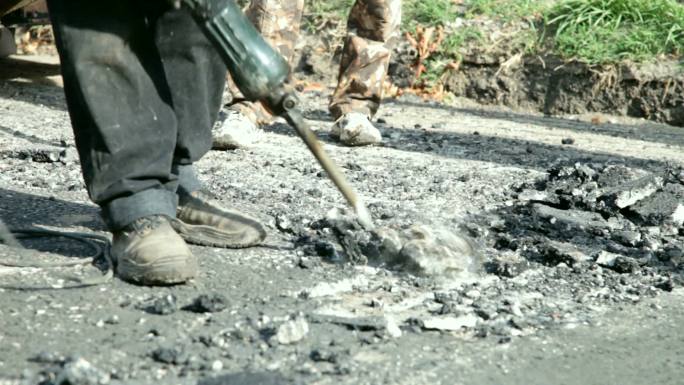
(296, 120)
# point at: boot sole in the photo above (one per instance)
(170, 271)
(209, 236)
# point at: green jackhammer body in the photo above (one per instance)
(257, 69)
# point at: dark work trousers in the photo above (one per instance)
(143, 87)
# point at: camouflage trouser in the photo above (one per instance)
(279, 22)
(372, 30)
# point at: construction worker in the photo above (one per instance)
(143, 88)
(372, 30)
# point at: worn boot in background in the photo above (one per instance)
(236, 130)
(355, 129)
(150, 252)
(278, 22)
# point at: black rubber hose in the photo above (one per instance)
(98, 244)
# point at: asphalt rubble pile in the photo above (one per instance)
(619, 218)
(418, 248)
(582, 238)
(561, 250)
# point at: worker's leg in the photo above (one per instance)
(196, 76)
(125, 129)
(373, 29)
(279, 23)
(120, 107)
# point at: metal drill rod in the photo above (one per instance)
(295, 119)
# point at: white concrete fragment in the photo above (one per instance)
(606, 258)
(325, 289)
(391, 327)
(292, 331)
(677, 217)
(635, 191)
(82, 372)
(450, 323)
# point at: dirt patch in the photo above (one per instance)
(549, 85)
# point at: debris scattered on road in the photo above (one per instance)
(450, 323)
(170, 355)
(419, 249)
(164, 305)
(208, 303)
(292, 331)
(81, 372)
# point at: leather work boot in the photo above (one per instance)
(150, 252)
(201, 220)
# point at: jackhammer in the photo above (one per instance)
(261, 74)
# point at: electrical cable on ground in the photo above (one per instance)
(98, 244)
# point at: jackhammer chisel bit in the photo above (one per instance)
(261, 74)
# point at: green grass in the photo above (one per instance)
(507, 10)
(454, 41)
(608, 31)
(448, 52)
(320, 12)
(428, 13)
(592, 31)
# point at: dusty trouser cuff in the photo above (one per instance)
(187, 178)
(121, 212)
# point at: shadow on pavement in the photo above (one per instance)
(34, 71)
(21, 210)
(32, 138)
(31, 82)
(504, 151)
(648, 131)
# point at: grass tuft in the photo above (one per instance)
(608, 31)
(592, 31)
(507, 10)
(430, 13)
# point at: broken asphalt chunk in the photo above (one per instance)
(564, 252)
(629, 193)
(208, 303)
(664, 206)
(173, 356)
(572, 219)
(164, 305)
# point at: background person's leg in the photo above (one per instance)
(373, 29)
(279, 23)
(120, 107)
